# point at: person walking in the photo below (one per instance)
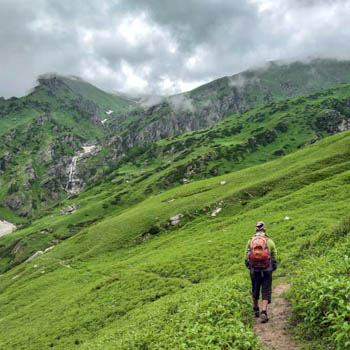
(261, 259)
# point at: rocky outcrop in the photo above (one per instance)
(87, 108)
(69, 210)
(4, 161)
(30, 176)
(15, 201)
(332, 121)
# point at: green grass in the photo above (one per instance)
(320, 289)
(120, 292)
(111, 284)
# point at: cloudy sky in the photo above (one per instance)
(161, 46)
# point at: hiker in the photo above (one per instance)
(261, 260)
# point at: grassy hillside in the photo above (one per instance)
(119, 282)
(242, 141)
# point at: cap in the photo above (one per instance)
(260, 225)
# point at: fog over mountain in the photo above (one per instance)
(148, 47)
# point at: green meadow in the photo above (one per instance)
(130, 280)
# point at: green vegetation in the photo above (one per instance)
(119, 274)
(321, 289)
(112, 286)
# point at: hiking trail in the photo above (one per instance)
(275, 334)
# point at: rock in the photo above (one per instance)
(174, 220)
(145, 237)
(54, 241)
(69, 210)
(222, 182)
(216, 211)
(316, 138)
(38, 253)
(286, 218)
(24, 213)
(48, 249)
(15, 202)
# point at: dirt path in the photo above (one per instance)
(275, 335)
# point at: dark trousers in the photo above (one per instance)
(261, 280)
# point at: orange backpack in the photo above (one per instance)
(259, 254)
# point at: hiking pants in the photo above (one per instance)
(261, 280)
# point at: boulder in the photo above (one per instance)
(15, 201)
(69, 210)
(174, 220)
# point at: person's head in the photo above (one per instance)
(260, 226)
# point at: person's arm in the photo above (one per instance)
(246, 255)
(273, 252)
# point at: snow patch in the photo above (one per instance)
(6, 227)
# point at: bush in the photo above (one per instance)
(154, 230)
(321, 290)
(211, 318)
(321, 299)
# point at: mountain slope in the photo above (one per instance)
(116, 285)
(67, 134)
(213, 102)
(241, 141)
(41, 134)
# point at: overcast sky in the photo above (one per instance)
(161, 46)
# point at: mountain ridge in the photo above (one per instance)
(70, 114)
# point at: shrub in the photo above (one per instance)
(154, 230)
(211, 318)
(321, 290)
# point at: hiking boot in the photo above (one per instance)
(263, 317)
(256, 311)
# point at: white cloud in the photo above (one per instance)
(134, 81)
(161, 48)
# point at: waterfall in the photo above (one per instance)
(74, 184)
